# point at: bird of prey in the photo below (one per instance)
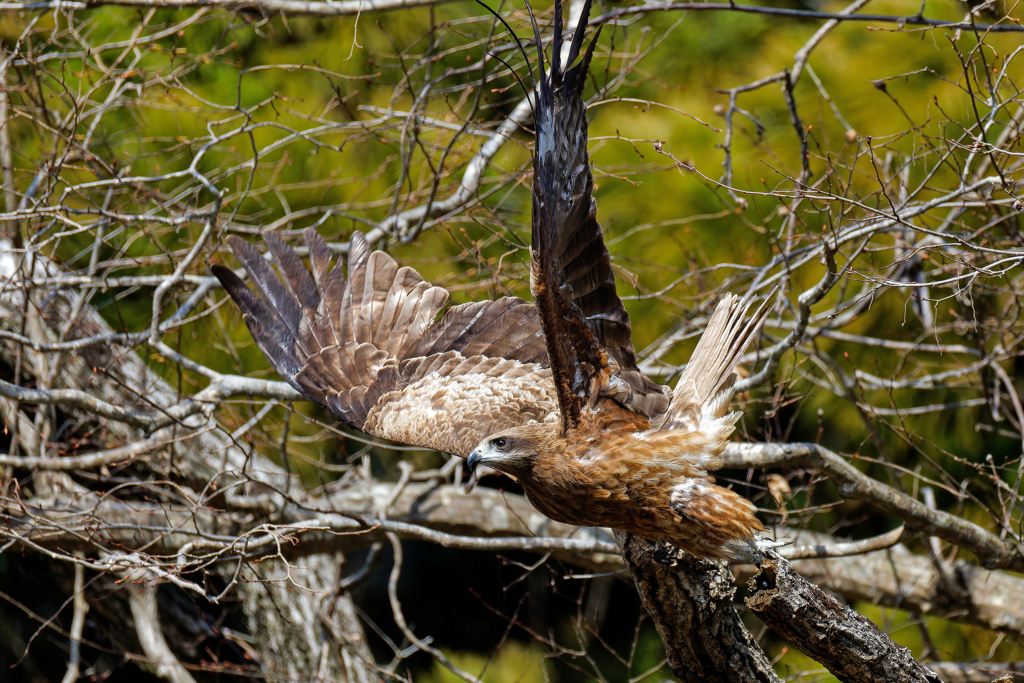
(549, 393)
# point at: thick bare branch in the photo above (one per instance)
(848, 644)
(147, 625)
(954, 672)
(691, 604)
(899, 579)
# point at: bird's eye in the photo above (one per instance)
(500, 443)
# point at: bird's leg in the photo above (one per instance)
(753, 551)
(763, 544)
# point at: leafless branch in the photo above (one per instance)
(848, 644)
(145, 437)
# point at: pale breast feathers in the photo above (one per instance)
(448, 401)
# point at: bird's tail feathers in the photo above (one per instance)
(706, 384)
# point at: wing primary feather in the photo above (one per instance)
(577, 36)
(540, 47)
(585, 323)
(267, 328)
(556, 52)
(319, 255)
(296, 277)
(358, 251)
(282, 302)
(584, 66)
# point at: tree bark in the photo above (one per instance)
(691, 604)
(846, 643)
(292, 642)
(161, 660)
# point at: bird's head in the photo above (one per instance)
(512, 452)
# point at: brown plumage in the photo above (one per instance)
(550, 393)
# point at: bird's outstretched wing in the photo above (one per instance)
(706, 384)
(380, 353)
(587, 327)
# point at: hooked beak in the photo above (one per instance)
(472, 461)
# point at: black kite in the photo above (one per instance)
(548, 393)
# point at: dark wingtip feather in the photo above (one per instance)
(577, 37)
(240, 293)
(274, 339)
(585, 64)
(544, 87)
(231, 282)
(556, 51)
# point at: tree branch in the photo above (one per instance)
(691, 605)
(992, 551)
(490, 520)
(355, 7)
(953, 672)
(848, 644)
(147, 625)
(897, 578)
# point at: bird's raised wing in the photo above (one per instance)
(587, 327)
(380, 353)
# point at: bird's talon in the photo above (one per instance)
(763, 545)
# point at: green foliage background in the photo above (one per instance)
(665, 226)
